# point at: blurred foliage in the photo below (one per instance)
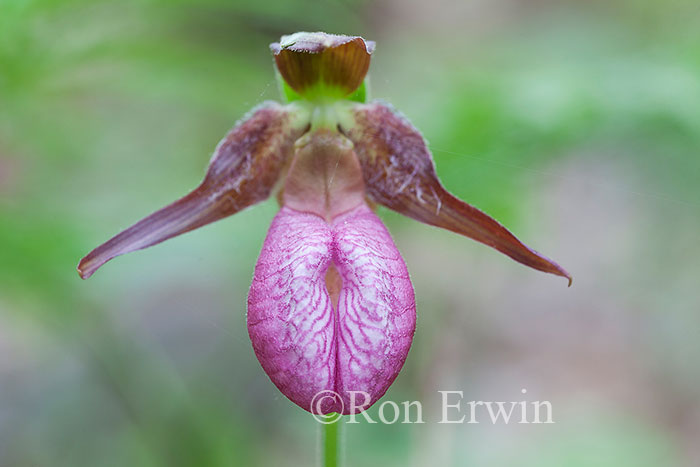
(109, 110)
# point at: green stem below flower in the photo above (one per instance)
(330, 442)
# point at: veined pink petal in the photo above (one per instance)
(243, 171)
(306, 344)
(376, 305)
(290, 316)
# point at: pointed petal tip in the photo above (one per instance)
(565, 274)
(536, 260)
(560, 271)
(555, 269)
(570, 278)
(85, 270)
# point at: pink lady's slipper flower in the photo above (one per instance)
(331, 306)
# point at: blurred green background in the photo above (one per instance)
(575, 123)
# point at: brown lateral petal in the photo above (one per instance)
(308, 59)
(400, 174)
(244, 169)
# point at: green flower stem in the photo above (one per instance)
(330, 442)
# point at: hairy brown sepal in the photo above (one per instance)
(399, 173)
(245, 167)
(307, 61)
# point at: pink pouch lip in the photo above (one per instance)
(307, 345)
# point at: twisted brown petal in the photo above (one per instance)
(244, 169)
(400, 174)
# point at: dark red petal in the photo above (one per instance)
(243, 171)
(400, 174)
